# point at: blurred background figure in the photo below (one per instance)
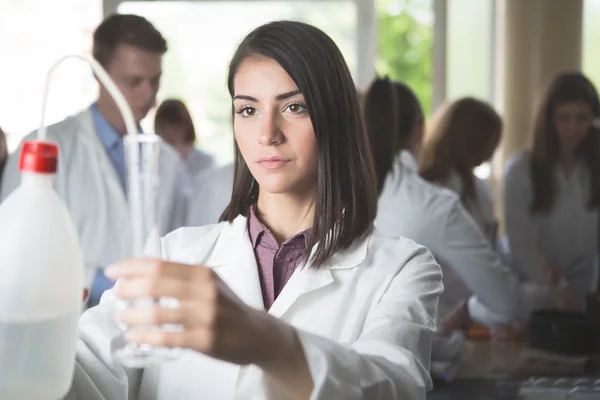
(462, 136)
(212, 195)
(552, 190)
(3, 152)
(477, 286)
(173, 123)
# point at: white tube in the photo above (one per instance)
(106, 81)
(133, 156)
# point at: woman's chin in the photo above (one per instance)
(276, 188)
(277, 183)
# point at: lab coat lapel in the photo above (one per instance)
(113, 183)
(304, 280)
(307, 279)
(233, 259)
(406, 160)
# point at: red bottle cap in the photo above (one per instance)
(39, 157)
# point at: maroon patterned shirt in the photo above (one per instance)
(276, 264)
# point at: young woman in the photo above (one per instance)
(464, 135)
(173, 123)
(292, 295)
(434, 217)
(552, 191)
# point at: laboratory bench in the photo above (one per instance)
(500, 371)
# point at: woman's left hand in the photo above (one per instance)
(215, 321)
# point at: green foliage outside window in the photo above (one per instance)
(406, 45)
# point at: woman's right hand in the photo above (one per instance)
(568, 300)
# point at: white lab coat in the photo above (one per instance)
(88, 183)
(565, 238)
(364, 319)
(213, 194)
(196, 164)
(481, 208)
(434, 217)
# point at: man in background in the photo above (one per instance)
(91, 177)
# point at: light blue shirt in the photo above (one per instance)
(114, 146)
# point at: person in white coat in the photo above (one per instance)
(434, 217)
(91, 177)
(173, 123)
(292, 296)
(552, 190)
(462, 136)
(3, 152)
(214, 189)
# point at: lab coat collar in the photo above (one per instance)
(233, 259)
(87, 132)
(237, 232)
(408, 160)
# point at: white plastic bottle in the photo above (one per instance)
(41, 283)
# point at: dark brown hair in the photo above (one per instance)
(566, 87)
(392, 111)
(346, 198)
(462, 136)
(117, 29)
(174, 111)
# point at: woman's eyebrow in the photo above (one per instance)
(279, 97)
(244, 97)
(287, 95)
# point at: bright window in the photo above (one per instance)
(470, 44)
(33, 35)
(202, 37)
(469, 49)
(591, 40)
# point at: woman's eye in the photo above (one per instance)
(248, 111)
(583, 117)
(296, 108)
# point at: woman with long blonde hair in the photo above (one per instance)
(462, 136)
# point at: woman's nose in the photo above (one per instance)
(270, 131)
